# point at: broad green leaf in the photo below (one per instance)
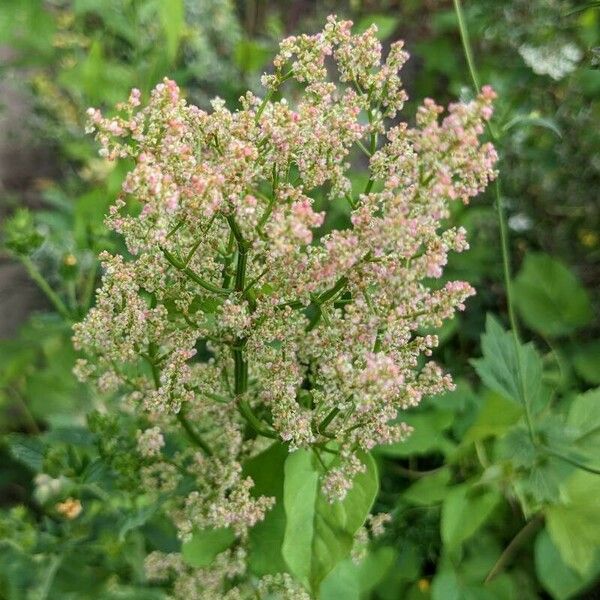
(549, 297)
(374, 567)
(586, 360)
(342, 582)
(204, 546)
(266, 537)
(560, 580)
(465, 509)
(349, 580)
(495, 418)
(514, 371)
(430, 489)
(574, 525)
(319, 534)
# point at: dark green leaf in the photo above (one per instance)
(549, 296)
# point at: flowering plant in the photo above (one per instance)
(282, 344)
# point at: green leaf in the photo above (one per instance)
(27, 450)
(266, 537)
(342, 582)
(549, 297)
(251, 55)
(503, 361)
(204, 546)
(319, 534)
(560, 580)
(574, 525)
(138, 519)
(349, 580)
(465, 509)
(495, 418)
(534, 119)
(386, 25)
(427, 435)
(584, 420)
(586, 360)
(172, 19)
(430, 489)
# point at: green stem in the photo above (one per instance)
(325, 422)
(464, 35)
(89, 288)
(569, 460)
(180, 266)
(54, 298)
(193, 435)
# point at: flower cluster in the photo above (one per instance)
(243, 314)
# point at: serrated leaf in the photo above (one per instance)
(504, 363)
(27, 450)
(319, 534)
(549, 297)
(204, 546)
(464, 511)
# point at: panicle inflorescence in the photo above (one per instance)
(242, 312)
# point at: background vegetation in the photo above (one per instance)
(495, 496)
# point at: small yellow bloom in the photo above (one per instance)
(423, 585)
(70, 508)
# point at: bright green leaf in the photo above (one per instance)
(319, 534)
(430, 489)
(584, 421)
(386, 25)
(205, 544)
(495, 418)
(574, 525)
(560, 580)
(504, 363)
(172, 18)
(464, 511)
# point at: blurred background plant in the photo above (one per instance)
(495, 494)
